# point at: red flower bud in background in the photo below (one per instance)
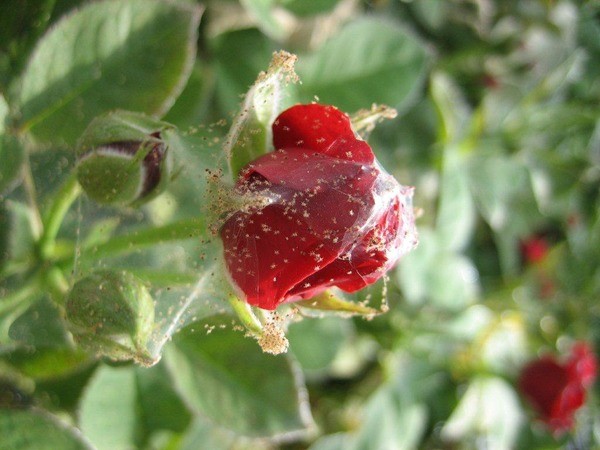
(330, 216)
(534, 249)
(557, 390)
(534, 254)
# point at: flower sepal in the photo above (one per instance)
(330, 301)
(268, 332)
(250, 134)
(365, 120)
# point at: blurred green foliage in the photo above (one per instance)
(498, 130)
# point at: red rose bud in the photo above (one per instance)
(534, 249)
(329, 215)
(557, 390)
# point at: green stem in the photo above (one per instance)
(56, 213)
(244, 312)
(56, 284)
(147, 237)
(31, 194)
(163, 278)
(17, 298)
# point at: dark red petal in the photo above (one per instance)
(271, 251)
(355, 150)
(570, 400)
(301, 169)
(321, 128)
(267, 253)
(363, 262)
(311, 126)
(332, 197)
(542, 382)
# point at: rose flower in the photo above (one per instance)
(329, 215)
(557, 390)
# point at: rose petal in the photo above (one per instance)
(570, 400)
(321, 128)
(267, 253)
(272, 250)
(582, 364)
(364, 262)
(542, 382)
(313, 186)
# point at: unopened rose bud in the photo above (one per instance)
(123, 158)
(112, 313)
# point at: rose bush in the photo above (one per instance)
(557, 390)
(329, 215)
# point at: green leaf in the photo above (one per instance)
(159, 405)
(502, 187)
(233, 74)
(5, 233)
(12, 154)
(23, 230)
(391, 422)
(108, 408)
(223, 375)
(396, 415)
(431, 273)
(268, 22)
(16, 297)
(433, 12)
(339, 441)
(41, 326)
(203, 434)
(193, 104)
(100, 232)
(455, 220)
(369, 61)
(134, 54)
(303, 8)
(37, 430)
(452, 109)
(48, 363)
(503, 191)
(488, 414)
(21, 24)
(316, 342)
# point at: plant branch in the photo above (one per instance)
(147, 237)
(18, 297)
(56, 213)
